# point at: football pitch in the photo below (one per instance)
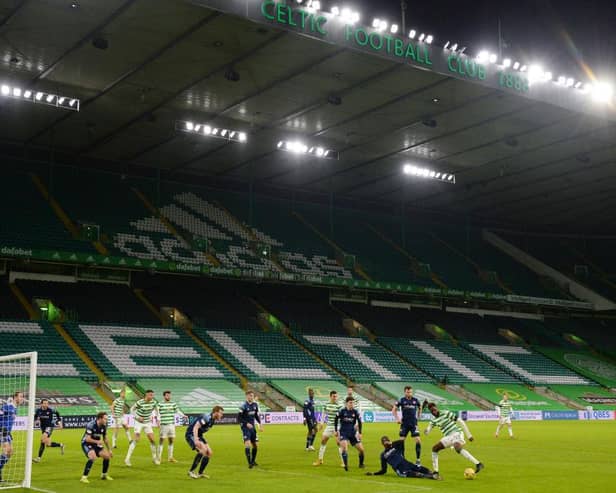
(551, 456)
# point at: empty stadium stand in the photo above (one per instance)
(10, 307)
(360, 359)
(521, 397)
(55, 357)
(196, 395)
(215, 303)
(258, 354)
(297, 390)
(31, 223)
(527, 365)
(445, 361)
(587, 396)
(71, 396)
(426, 391)
(92, 301)
(123, 351)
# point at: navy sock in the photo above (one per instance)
(195, 462)
(361, 458)
(204, 463)
(55, 444)
(86, 470)
(308, 441)
(418, 450)
(41, 450)
(254, 453)
(105, 466)
(345, 458)
(247, 452)
(3, 460)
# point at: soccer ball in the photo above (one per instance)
(469, 473)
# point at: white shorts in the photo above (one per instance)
(167, 431)
(449, 440)
(119, 421)
(143, 427)
(328, 432)
(504, 421)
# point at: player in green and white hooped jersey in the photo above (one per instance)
(451, 426)
(504, 409)
(167, 409)
(330, 410)
(142, 410)
(118, 407)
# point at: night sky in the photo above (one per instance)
(566, 37)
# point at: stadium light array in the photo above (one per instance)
(207, 130)
(412, 33)
(40, 97)
(412, 170)
(298, 147)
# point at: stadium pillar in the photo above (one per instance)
(331, 215)
(250, 201)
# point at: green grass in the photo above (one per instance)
(545, 457)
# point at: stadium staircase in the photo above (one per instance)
(428, 391)
(357, 268)
(271, 397)
(560, 397)
(62, 215)
(71, 396)
(414, 262)
(196, 395)
(374, 394)
(146, 302)
(55, 357)
(529, 366)
(263, 355)
(79, 352)
(445, 361)
(23, 301)
(359, 359)
(467, 395)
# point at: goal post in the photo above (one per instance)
(17, 374)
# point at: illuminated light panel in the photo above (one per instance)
(299, 147)
(205, 130)
(412, 170)
(39, 97)
(412, 33)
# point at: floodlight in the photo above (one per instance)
(421, 36)
(446, 45)
(206, 130)
(516, 65)
(602, 92)
(412, 33)
(394, 28)
(493, 58)
(455, 47)
(335, 10)
(429, 39)
(507, 62)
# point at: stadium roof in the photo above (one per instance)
(543, 157)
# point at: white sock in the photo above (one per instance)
(153, 449)
(467, 455)
(510, 431)
(498, 429)
(322, 451)
(169, 451)
(114, 439)
(131, 449)
(435, 461)
(128, 435)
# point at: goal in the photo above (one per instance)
(17, 396)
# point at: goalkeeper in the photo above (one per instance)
(393, 455)
(8, 412)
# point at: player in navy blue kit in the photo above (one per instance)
(8, 412)
(94, 443)
(248, 415)
(194, 438)
(48, 418)
(411, 410)
(393, 455)
(348, 427)
(310, 420)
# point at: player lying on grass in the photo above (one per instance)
(451, 426)
(393, 455)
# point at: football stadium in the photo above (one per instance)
(303, 246)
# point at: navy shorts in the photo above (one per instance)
(5, 436)
(191, 442)
(350, 437)
(311, 424)
(405, 429)
(48, 430)
(249, 434)
(86, 447)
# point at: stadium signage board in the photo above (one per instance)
(332, 29)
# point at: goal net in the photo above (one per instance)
(17, 394)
